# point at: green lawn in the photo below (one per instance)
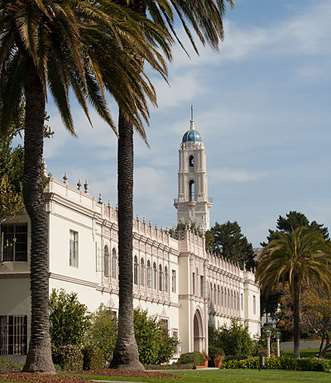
(235, 376)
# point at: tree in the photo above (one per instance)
(227, 240)
(292, 221)
(54, 46)
(69, 319)
(154, 344)
(287, 224)
(103, 332)
(205, 19)
(233, 341)
(301, 257)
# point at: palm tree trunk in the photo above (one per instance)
(126, 351)
(39, 357)
(296, 316)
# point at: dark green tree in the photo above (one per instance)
(292, 221)
(228, 241)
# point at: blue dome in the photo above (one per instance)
(191, 136)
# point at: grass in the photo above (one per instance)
(233, 376)
(201, 376)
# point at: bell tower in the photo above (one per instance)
(193, 203)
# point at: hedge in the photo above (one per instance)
(282, 363)
(192, 357)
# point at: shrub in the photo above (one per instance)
(155, 346)
(285, 363)
(93, 358)
(234, 341)
(193, 358)
(69, 319)
(102, 332)
(69, 358)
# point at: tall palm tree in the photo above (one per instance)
(204, 18)
(52, 46)
(300, 258)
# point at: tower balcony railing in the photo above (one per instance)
(177, 200)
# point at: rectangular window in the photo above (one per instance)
(73, 259)
(254, 304)
(242, 301)
(164, 324)
(201, 286)
(173, 281)
(13, 335)
(14, 242)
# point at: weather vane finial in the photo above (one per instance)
(192, 118)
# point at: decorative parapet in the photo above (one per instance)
(106, 212)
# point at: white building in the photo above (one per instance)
(174, 279)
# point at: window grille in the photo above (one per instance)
(13, 335)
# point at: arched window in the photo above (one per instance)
(166, 278)
(149, 275)
(160, 278)
(114, 264)
(106, 261)
(211, 293)
(135, 271)
(154, 276)
(191, 161)
(142, 272)
(218, 295)
(192, 190)
(215, 298)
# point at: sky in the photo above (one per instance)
(263, 107)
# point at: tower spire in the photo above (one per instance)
(192, 118)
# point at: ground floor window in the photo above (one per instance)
(13, 335)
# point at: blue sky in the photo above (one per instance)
(263, 109)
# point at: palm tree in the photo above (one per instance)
(299, 258)
(204, 18)
(51, 47)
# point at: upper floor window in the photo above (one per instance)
(14, 242)
(166, 279)
(149, 275)
(242, 301)
(173, 281)
(154, 276)
(142, 272)
(106, 261)
(114, 264)
(73, 258)
(160, 278)
(193, 283)
(135, 271)
(254, 304)
(201, 286)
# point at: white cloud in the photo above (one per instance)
(232, 175)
